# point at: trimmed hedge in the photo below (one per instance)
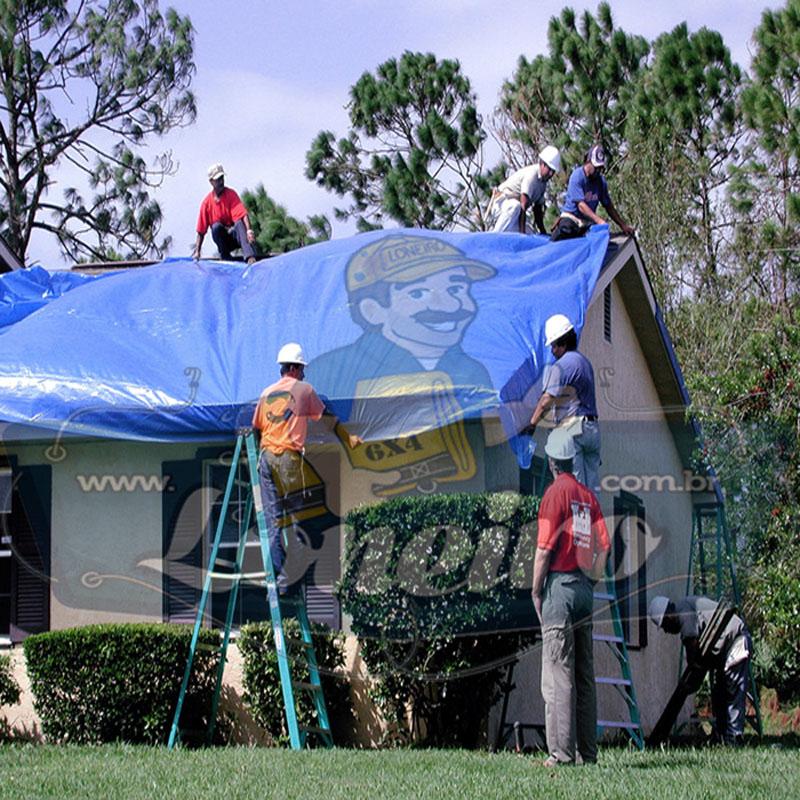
(438, 589)
(9, 690)
(262, 686)
(107, 683)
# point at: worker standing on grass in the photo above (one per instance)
(223, 211)
(586, 189)
(569, 391)
(729, 657)
(571, 551)
(522, 189)
(282, 416)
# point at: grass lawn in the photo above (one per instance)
(111, 772)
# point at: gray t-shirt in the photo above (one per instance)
(694, 614)
(571, 381)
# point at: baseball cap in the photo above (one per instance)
(405, 258)
(596, 155)
(215, 171)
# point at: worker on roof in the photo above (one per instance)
(223, 211)
(572, 547)
(729, 657)
(282, 416)
(586, 189)
(569, 392)
(521, 190)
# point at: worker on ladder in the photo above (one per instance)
(521, 190)
(571, 552)
(282, 416)
(729, 657)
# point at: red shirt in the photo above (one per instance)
(282, 414)
(227, 209)
(571, 525)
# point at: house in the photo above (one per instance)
(116, 477)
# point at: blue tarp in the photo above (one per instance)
(406, 331)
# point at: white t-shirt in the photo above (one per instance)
(524, 181)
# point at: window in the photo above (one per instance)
(630, 567)
(251, 604)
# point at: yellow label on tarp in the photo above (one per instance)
(429, 443)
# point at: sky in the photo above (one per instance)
(271, 74)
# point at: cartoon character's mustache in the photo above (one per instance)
(428, 317)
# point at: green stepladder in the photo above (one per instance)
(294, 655)
(623, 682)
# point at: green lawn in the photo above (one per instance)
(110, 772)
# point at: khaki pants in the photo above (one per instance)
(568, 667)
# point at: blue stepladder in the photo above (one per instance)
(296, 656)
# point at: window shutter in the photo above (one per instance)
(182, 555)
(30, 531)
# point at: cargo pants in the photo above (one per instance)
(568, 686)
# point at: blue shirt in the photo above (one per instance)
(571, 381)
(591, 191)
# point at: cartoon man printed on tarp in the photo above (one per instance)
(406, 384)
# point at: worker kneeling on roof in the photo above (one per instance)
(522, 189)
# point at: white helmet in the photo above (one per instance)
(560, 445)
(291, 353)
(555, 327)
(658, 608)
(551, 157)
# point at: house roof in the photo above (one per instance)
(617, 259)
(624, 263)
(181, 349)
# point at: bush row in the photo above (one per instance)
(106, 683)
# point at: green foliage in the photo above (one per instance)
(412, 150)
(9, 689)
(262, 686)
(579, 93)
(124, 69)
(766, 187)
(688, 101)
(105, 683)
(276, 230)
(749, 407)
(436, 587)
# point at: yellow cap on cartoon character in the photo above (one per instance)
(405, 258)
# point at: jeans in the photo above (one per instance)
(276, 473)
(228, 239)
(587, 456)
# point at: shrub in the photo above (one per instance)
(9, 690)
(105, 683)
(262, 686)
(438, 589)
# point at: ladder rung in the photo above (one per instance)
(232, 576)
(313, 729)
(605, 723)
(305, 686)
(614, 681)
(604, 596)
(224, 562)
(602, 637)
